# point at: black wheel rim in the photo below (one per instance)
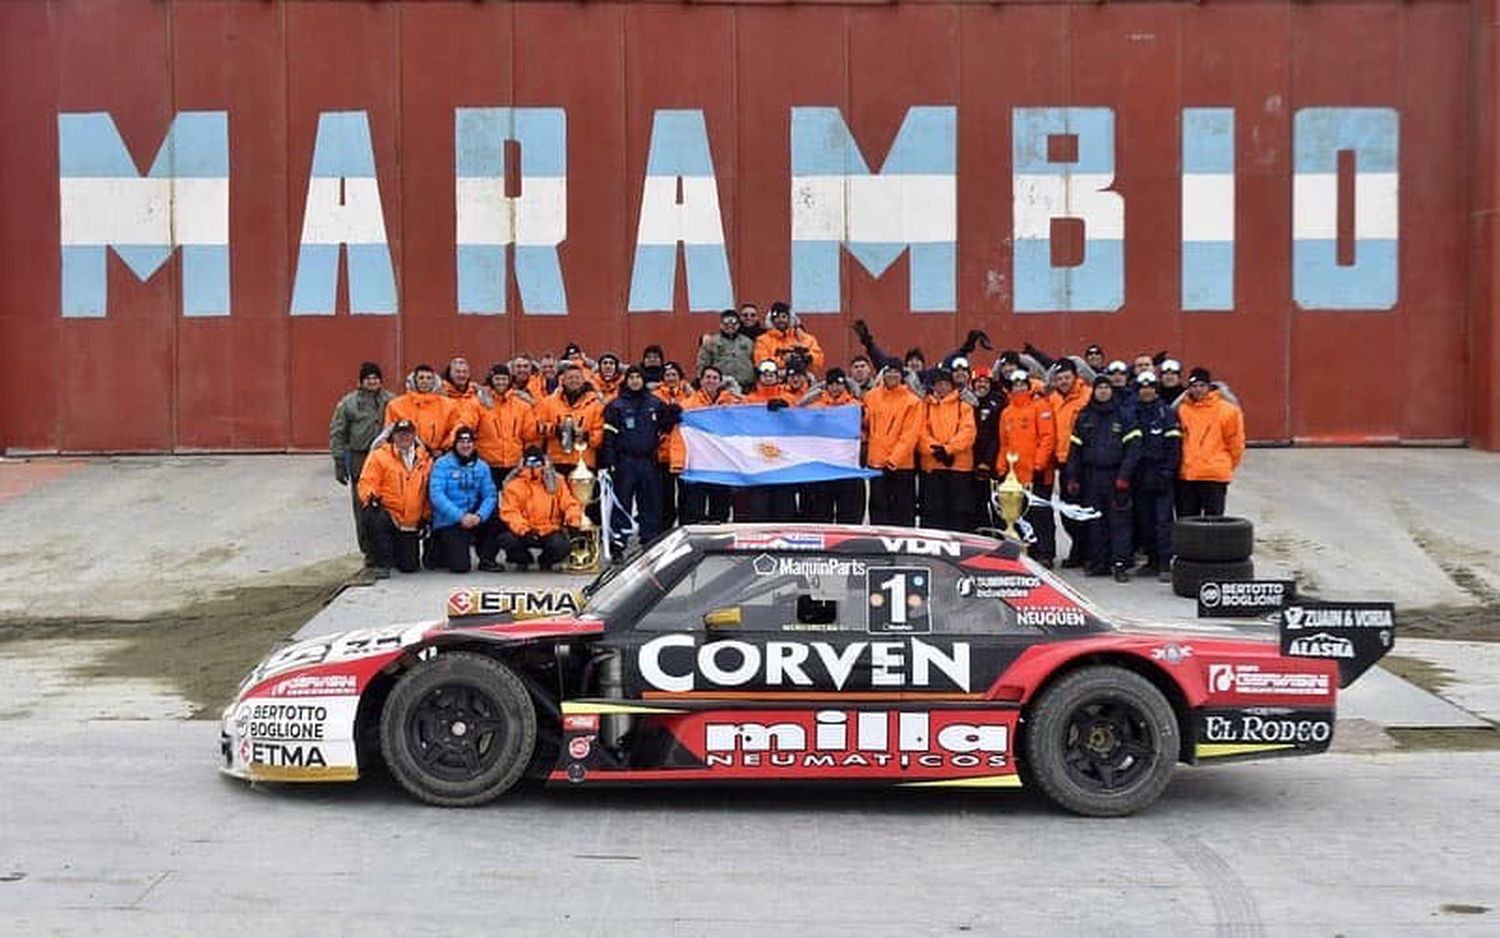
(1110, 744)
(456, 733)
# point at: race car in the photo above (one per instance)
(758, 653)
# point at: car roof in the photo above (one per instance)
(845, 539)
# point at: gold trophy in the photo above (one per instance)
(583, 544)
(1010, 498)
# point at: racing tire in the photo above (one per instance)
(1102, 742)
(458, 730)
(1213, 540)
(1188, 575)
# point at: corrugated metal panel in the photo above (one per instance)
(146, 376)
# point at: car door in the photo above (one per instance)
(801, 665)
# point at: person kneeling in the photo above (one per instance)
(393, 491)
(463, 507)
(535, 506)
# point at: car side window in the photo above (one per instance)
(770, 592)
(972, 602)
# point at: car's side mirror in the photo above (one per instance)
(726, 618)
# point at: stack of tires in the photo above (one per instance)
(1207, 549)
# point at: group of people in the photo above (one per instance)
(460, 462)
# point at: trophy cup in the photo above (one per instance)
(583, 544)
(1009, 499)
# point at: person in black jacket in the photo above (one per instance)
(1102, 457)
(634, 424)
(987, 463)
(1161, 452)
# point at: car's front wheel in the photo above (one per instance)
(458, 730)
(1102, 742)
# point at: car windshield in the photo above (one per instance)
(614, 586)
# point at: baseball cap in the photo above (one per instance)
(403, 426)
(1146, 377)
(1101, 379)
(463, 433)
(1171, 364)
(1200, 374)
(767, 367)
(1020, 376)
(1118, 366)
(959, 362)
(533, 458)
(1094, 350)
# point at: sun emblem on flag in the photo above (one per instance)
(770, 452)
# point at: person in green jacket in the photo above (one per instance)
(358, 419)
(730, 351)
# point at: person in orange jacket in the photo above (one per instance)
(702, 501)
(573, 404)
(1028, 429)
(536, 506)
(1213, 443)
(840, 501)
(393, 491)
(946, 455)
(463, 393)
(607, 378)
(768, 386)
(1069, 396)
(427, 407)
(786, 339)
(506, 425)
(768, 502)
(892, 425)
(526, 379)
(672, 391)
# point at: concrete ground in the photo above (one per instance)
(1351, 844)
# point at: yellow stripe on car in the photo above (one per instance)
(981, 781)
(1214, 750)
(595, 706)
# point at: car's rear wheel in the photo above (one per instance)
(458, 730)
(1102, 742)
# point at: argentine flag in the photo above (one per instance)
(750, 445)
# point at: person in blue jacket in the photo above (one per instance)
(1104, 450)
(464, 505)
(1156, 473)
(634, 424)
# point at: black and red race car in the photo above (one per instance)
(751, 653)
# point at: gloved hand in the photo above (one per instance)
(340, 472)
(1073, 487)
(1122, 485)
(862, 331)
(979, 339)
(777, 403)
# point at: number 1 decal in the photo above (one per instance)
(898, 599)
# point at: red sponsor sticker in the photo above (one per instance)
(579, 746)
(581, 722)
(460, 602)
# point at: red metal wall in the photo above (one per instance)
(146, 378)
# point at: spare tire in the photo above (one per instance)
(1188, 575)
(1213, 539)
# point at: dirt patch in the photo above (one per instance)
(1478, 623)
(1448, 739)
(206, 648)
(1424, 674)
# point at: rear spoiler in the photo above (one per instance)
(499, 605)
(1356, 635)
